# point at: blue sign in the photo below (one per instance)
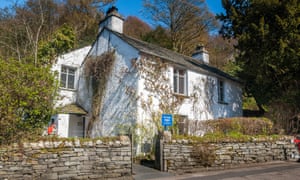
(166, 120)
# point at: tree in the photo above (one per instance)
(221, 51)
(83, 17)
(185, 20)
(24, 26)
(268, 34)
(159, 36)
(63, 40)
(26, 100)
(135, 27)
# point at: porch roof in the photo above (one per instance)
(72, 109)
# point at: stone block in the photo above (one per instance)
(39, 167)
(60, 169)
(49, 176)
(66, 176)
(71, 163)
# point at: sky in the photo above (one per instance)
(134, 7)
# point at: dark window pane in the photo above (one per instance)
(221, 91)
(180, 81)
(181, 72)
(67, 77)
(181, 85)
(71, 80)
(71, 71)
(63, 80)
(64, 69)
(175, 84)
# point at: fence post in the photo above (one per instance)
(161, 152)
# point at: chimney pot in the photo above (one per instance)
(113, 20)
(201, 54)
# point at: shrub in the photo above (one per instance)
(26, 100)
(246, 126)
(235, 126)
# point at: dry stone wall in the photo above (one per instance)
(92, 159)
(182, 156)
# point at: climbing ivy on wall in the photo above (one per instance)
(154, 71)
(97, 70)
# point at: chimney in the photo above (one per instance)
(201, 54)
(113, 20)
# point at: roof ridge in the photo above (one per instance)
(178, 58)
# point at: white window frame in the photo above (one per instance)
(68, 75)
(177, 84)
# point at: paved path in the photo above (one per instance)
(279, 170)
(142, 172)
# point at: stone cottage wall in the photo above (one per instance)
(182, 156)
(66, 160)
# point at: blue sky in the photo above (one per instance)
(134, 7)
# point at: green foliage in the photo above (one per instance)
(268, 37)
(26, 98)
(238, 126)
(232, 68)
(27, 26)
(62, 41)
(159, 36)
(219, 137)
(249, 103)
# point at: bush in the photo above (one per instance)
(26, 100)
(245, 126)
(234, 126)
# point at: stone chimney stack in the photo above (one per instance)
(113, 20)
(201, 54)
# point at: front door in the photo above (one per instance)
(76, 126)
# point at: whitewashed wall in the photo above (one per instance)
(205, 106)
(119, 108)
(72, 59)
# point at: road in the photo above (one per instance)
(271, 171)
(279, 170)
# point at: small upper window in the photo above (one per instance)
(221, 91)
(180, 81)
(67, 77)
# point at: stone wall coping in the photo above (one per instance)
(68, 143)
(251, 140)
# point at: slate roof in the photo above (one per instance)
(174, 57)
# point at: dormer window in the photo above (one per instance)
(180, 81)
(67, 77)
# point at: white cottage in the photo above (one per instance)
(70, 120)
(136, 82)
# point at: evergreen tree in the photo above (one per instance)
(269, 47)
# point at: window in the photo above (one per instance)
(180, 81)
(221, 93)
(67, 77)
